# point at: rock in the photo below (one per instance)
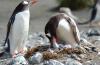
(37, 39)
(74, 56)
(87, 45)
(19, 60)
(83, 41)
(91, 63)
(2, 47)
(72, 62)
(53, 62)
(93, 32)
(39, 64)
(36, 58)
(99, 53)
(67, 46)
(83, 35)
(83, 56)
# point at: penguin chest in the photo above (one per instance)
(21, 24)
(64, 32)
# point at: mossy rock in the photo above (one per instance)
(76, 4)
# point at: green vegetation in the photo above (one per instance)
(75, 4)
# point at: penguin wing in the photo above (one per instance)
(10, 23)
(75, 30)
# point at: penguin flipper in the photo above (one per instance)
(9, 25)
(74, 29)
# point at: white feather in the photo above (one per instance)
(19, 31)
(64, 32)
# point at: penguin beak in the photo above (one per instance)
(32, 2)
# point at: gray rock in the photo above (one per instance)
(39, 64)
(37, 39)
(74, 56)
(36, 58)
(72, 62)
(53, 62)
(93, 32)
(83, 35)
(91, 63)
(2, 47)
(19, 60)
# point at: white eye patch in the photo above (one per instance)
(25, 2)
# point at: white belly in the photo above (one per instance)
(64, 32)
(19, 32)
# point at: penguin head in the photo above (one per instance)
(23, 6)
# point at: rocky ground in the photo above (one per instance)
(40, 14)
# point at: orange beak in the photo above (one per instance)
(33, 1)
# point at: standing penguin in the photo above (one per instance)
(95, 13)
(62, 27)
(18, 27)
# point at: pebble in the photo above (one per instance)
(36, 58)
(53, 62)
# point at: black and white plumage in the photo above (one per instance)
(62, 27)
(18, 27)
(95, 13)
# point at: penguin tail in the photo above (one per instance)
(8, 45)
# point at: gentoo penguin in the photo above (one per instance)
(18, 27)
(95, 13)
(67, 11)
(62, 27)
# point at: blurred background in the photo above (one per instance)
(42, 11)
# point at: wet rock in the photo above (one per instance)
(72, 62)
(36, 58)
(53, 62)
